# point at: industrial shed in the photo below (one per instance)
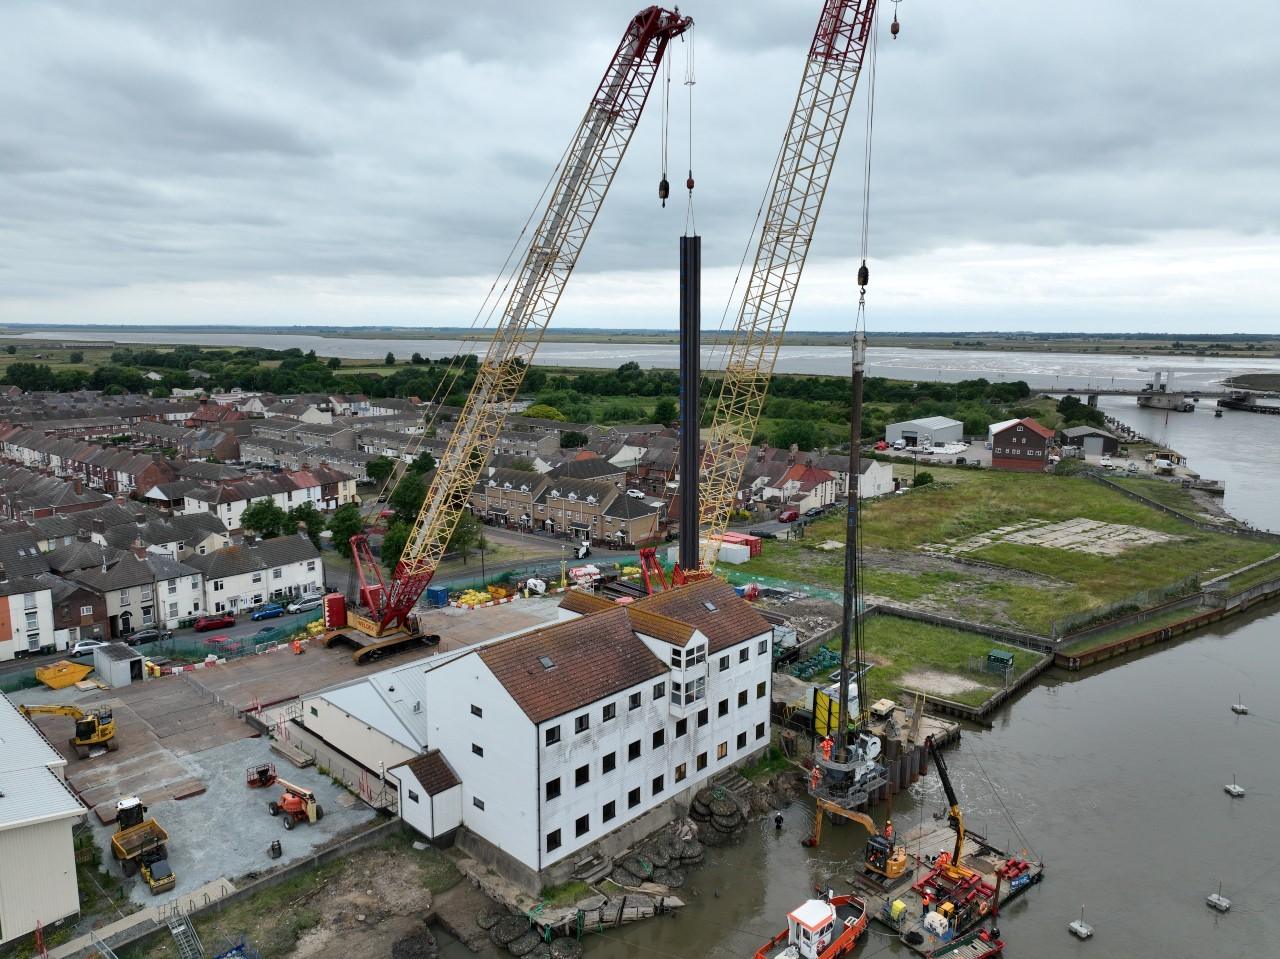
(928, 430)
(37, 812)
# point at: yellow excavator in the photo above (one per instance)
(94, 727)
(881, 857)
(950, 864)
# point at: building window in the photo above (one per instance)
(195, 580)
(702, 762)
(277, 573)
(724, 663)
(477, 711)
(633, 701)
(478, 803)
(553, 735)
(553, 840)
(478, 750)
(759, 730)
(172, 586)
(173, 610)
(124, 597)
(762, 647)
(257, 578)
(681, 773)
(146, 591)
(552, 789)
(413, 796)
(703, 717)
(86, 610)
(609, 712)
(580, 723)
(761, 688)
(314, 712)
(744, 654)
(677, 658)
(682, 727)
(633, 798)
(610, 810)
(218, 586)
(723, 708)
(311, 566)
(658, 784)
(659, 738)
(581, 825)
(742, 698)
(722, 750)
(582, 775)
(742, 740)
(609, 763)
(633, 751)
(699, 654)
(659, 690)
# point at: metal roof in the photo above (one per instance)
(31, 796)
(22, 745)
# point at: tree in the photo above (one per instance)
(407, 498)
(665, 411)
(522, 463)
(75, 356)
(572, 439)
(393, 543)
(264, 518)
(466, 536)
(541, 411)
(417, 359)
(389, 359)
(333, 362)
(379, 469)
(343, 524)
(923, 478)
(803, 433)
(11, 349)
(424, 463)
(311, 518)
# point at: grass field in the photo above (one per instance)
(899, 649)
(1053, 583)
(1108, 636)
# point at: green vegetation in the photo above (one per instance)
(962, 503)
(565, 894)
(1262, 574)
(343, 524)
(901, 650)
(772, 761)
(1108, 636)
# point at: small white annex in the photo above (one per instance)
(37, 812)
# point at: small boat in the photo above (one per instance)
(1233, 788)
(1079, 928)
(1216, 900)
(819, 929)
(1239, 708)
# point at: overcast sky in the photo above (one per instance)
(1036, 166)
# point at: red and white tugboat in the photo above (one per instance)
(819, 929)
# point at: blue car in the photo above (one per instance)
(269, 611)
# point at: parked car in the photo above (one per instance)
(267, 611)
(813, 511)
(1132, 467)
(788, 516)
(1105, 462)
(635, 493)
(304, 604)
(85, 647)
(217, 621)
(148, 635)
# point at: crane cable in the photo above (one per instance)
(690, 223)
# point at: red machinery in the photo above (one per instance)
(297, 804)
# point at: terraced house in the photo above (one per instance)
(142, 588)
(241, 577)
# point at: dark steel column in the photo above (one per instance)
(690, 374)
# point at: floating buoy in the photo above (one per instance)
(1079, 928)
(1216, 900)
(1233, 788)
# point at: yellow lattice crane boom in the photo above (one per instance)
(593, 158)
(800, 181)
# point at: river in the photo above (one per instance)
(1042, 370)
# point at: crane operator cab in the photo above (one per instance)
(90, 725)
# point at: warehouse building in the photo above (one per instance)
(926, 431)
(581, 737)
(37, 812)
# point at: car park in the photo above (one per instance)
(217, 621)
(267, 611)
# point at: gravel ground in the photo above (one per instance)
(226, 832)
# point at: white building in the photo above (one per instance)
(926, 431)
(27, 622)
(37, 812)
(143, 589)
(567, 736)
(876, 479)
(241, 577)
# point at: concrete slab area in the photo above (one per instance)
(226, 832)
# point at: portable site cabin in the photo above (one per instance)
(117, 664)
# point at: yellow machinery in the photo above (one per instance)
(139, 845)
(881, 855)
(951, 866)
(94, 727)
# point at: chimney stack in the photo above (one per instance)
(139, 550)
(78, 486)
(99, 525)
(82, 535)
(140, 518)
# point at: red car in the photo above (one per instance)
(788, 516)
(214, 622)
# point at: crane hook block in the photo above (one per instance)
(688, 184)
(664, 190)
(864, 275)
(893, 27)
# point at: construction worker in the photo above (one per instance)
(815, 778)
(777, 821)
(827, 746)
(297, 646)
(888, 829)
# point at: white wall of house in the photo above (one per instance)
(877, 480)
(37, 876)
(232, 593)
(431, 815)
(355, 735)
(178, 598)
(30, 624)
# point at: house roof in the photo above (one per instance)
(25, 747)
(80, 554)
(252, 557)
(1030, 424)
(20, 554)
(930, 422)
(733, 620)
(1072, 432)
(628, 507)
(32, 796)
(560, 668)
(586, 469)
(581, 602)
(432, 771)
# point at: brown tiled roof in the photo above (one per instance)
(660, 627)
(578, 601)
(733, 621)
(433, 771)
(557, 669)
